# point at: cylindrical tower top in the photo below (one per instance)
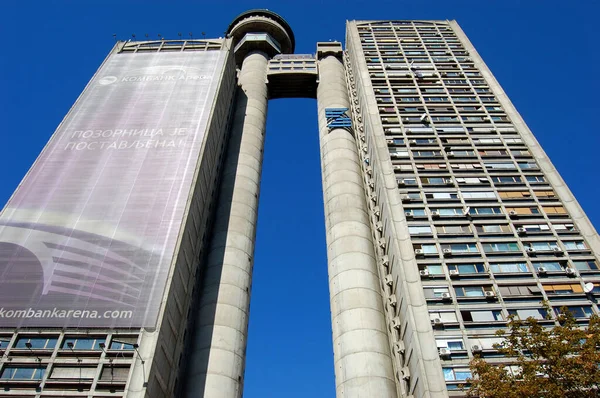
(263, 21)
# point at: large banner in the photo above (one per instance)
(88, 237)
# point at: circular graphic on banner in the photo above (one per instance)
(106, 80)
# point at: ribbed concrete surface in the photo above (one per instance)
(363, 365)
(216, 369)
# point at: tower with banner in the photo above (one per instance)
(126, 253)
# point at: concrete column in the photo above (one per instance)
(363, 363)
(216, 367)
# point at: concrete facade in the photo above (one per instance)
(443, 217)
(362, 357)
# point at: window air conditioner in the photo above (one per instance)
(454, 273)
(444, 352)
(476, 349)
(490, 294)
(542, 270)
(447, 252)
(446, 296)
(435, 213)
(423, 272)
(570, 271)
(521, 230)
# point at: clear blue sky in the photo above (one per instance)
(544, 53)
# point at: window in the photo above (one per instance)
(554, 210)
(500, 247)
(453, 344)
(453, 229)
(478, 195)
(444, 316)
(417, 212)
(484, 211)
(514, 194)
(486, 343)
(435, 292)
(467, 268)
(575, 245)
(497, 152)
(548, 265)
(508, 291)
(507, 179)
(461, 247)
(83, 343)
(114, 373)
(472, 180)
(482, 316)
(398, 153)
(427, 249)
(577, 311)
(75, 372)
(524, 313)
(585, 265)
(22, 373)
(449, 211)
(4, 342)
(434, 269)
(37, 343)
(544, 194)
(419, 229)
(543, 246)
(536, 179)
(493, 229)
(453, 374)
(436, 180)
(123, 343)
(426, 154)
(528, 165)
(563, 289)
(471, 291)
(499, 268)
(441, 195)
(564, 228)
(503, 165)
(523, 210)
(535, 227)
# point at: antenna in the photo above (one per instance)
(191, 36)
(115, 36)
(588, 287)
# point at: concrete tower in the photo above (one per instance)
(219, 348)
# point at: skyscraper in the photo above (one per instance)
(126, 253)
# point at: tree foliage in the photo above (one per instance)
(558, 362)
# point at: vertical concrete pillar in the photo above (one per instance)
(216, 368)
(363, 363)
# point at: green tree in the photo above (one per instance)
(558, 362)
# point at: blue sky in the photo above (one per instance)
(50, 50)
